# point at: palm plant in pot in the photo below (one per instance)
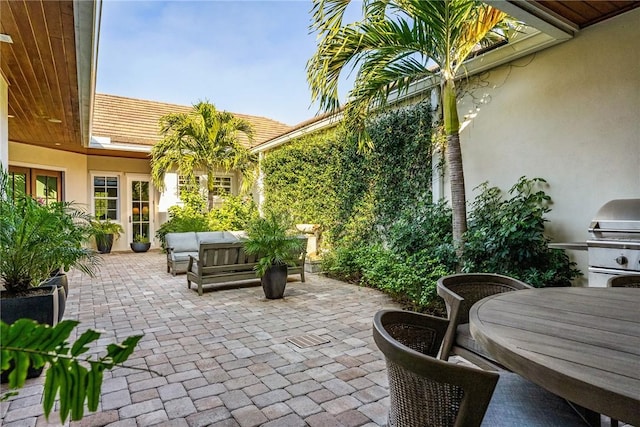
(105, 233)
(36, 239)
(272, 239)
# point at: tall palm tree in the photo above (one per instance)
(202, 139)
(397, 43)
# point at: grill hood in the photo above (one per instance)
(618, 219)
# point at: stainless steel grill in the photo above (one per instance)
(614, 246)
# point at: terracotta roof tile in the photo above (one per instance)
(135, 121)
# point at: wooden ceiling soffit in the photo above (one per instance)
(40, 66)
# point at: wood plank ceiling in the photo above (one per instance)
(40, 66)
(585, 13)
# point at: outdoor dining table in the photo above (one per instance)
(580, 343)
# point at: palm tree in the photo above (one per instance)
(202, 139)
(397, 43)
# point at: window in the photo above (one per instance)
(106, 197)
(184, 185)
(44, 185)
(221, 185)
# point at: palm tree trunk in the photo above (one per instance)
(454, 161)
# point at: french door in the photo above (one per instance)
(140, 207)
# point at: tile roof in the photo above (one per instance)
(135, 121)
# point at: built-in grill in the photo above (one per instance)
(614, 246)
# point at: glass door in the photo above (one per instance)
(141, 214)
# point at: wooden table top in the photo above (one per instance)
(580, 343)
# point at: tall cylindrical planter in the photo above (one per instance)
(105, 243)
(274, 281)
(60, 280)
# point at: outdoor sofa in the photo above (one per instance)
(217, 257)
(180, 246)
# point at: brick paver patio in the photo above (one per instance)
(224, 358)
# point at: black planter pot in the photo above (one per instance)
(41, 305)
(60, 280)
(105, 244)
(274, 281)
(140, 247)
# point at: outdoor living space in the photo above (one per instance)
(224, 358)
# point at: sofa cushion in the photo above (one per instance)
(183, 256)
(210, 236)
(182, 242)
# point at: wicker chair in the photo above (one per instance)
(460, 292)
(426, 391)
(624, 281)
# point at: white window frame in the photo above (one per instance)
(118, 198)
(181, 183)
(230, 187)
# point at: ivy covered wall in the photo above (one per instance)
(323, 178)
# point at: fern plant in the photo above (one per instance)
(71, 377)
(272, 238)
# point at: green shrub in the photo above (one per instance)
(235, 213)
(507, 236)
(189, 217)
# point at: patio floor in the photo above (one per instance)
(224, 357)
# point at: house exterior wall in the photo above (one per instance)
(125, 169)
(569, 114)
(73, 166)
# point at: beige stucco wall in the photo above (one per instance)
(569, 114)
(73, 165)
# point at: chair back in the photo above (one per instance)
(461, 291)
(423, 390)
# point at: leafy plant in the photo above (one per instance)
(507, 236)
(36, 239)
(103, 228)
(271, 238)
(72, 378)
(139, 238)
(235, 213)
(190, 217)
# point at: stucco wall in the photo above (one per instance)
(73, 165)
(569, 114)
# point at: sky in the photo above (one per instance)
(243, 56)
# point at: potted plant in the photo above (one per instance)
(35, 239)
(140, 243)
(273, 240)
(105, 232)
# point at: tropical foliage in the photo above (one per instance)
(37, 238)
(234, 213)
(380, 227)
(397, 43)
(204, 139)
(507, 236)
(73, 379)
(273, 239)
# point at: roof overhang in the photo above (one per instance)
(50, 68)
